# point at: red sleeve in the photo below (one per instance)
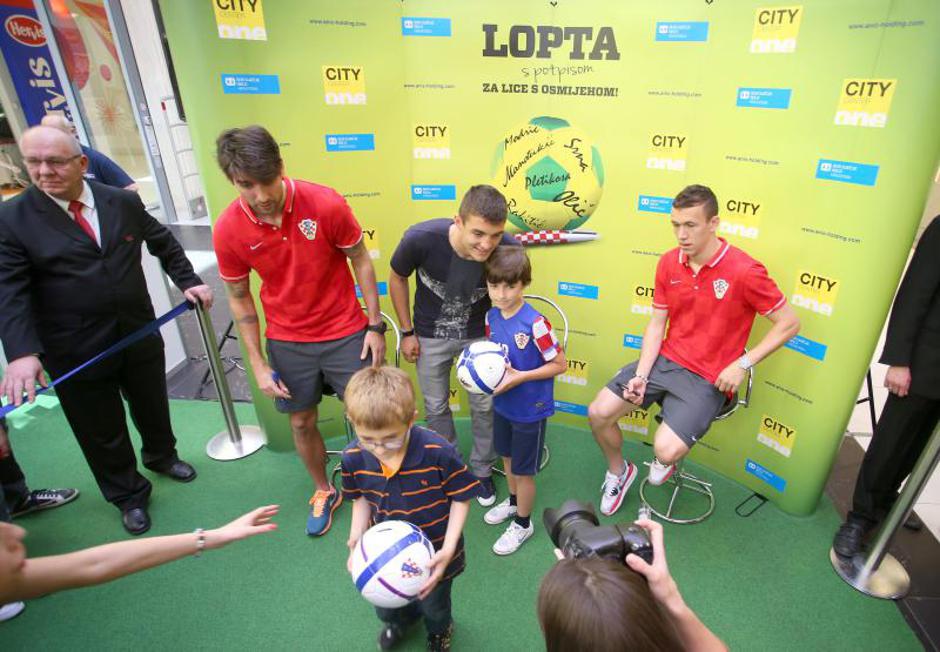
(486, 325)
(660, 292)
(341, 226)
(545, 339)
(232, 267)
(760, 291)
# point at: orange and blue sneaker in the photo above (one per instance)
(322, 506)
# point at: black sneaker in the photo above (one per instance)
(849, 538)
(44, 499)
(390, 636)
(441, 642)
(487, 494)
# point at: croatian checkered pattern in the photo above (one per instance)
(545, 339)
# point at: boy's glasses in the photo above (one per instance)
(387, 444)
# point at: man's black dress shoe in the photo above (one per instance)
(136, 520)
(180, 471)
(850, 536)
(913, 522)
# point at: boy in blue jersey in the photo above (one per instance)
(396, 470)
(524, 400)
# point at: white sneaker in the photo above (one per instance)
(615, 488)
(11, 610)
(660, 472)
(514, 536)
(500, 513)
(488, 489)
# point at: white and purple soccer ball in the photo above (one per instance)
(481, 367)
(390, 563)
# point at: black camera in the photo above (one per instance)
(575, 530)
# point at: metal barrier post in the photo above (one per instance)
(878, 573)
(235, 442)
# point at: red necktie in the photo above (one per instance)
(75, 208)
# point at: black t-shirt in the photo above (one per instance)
(450, 293)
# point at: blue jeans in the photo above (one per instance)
(435, 609)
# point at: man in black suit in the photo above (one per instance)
(71, 285)
(912, 349)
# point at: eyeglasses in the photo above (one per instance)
(56, 162)
(387, 444)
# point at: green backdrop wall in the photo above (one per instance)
(816, 124)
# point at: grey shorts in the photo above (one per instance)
(689, 402)
(304, 367)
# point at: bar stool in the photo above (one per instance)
(684, 483)
(546, 453)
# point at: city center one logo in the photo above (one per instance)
(815, 292)
(539, 41)
(776, 29)
(642, 300)
(636, 420)
(741, 217)
(777, 435)
(431, 141)
(576, 374)
(865, 102)
(344, 85)
(667, 152)
(240, 19)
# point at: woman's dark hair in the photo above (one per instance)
(600, 605)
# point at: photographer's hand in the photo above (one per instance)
(695, 635)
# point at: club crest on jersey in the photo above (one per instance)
(522, 339)
(721, 287)
(309, 228)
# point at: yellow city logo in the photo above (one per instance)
(577, 373)
(344, 84)
(431, 141)
(865, 102)
(642, 300)
(815, 292)
(667, 152)
(776, 29)
(371, 239)
(777, 435)
(636, 420)
(241, 19)
(741, 217)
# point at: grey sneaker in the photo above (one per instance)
(44, 499)
(500, 513)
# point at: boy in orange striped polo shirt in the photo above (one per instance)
(399, 471)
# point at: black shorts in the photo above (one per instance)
(689, 402)
(304, 367)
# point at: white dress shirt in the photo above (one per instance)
(89, 212)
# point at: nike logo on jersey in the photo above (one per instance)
(671, 282)
(254, 246)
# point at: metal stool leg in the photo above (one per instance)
(681, 481)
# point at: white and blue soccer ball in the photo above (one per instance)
(390, 563)
(481, 367)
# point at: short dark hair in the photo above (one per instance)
(601, 605)
(696, 195)
(249, 151)
(485, 201)
(508, 264)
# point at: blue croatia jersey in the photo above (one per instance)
(529, 342)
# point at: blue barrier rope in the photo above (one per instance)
(123, 343)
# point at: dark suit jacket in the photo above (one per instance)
(66, 298)
(913, 338)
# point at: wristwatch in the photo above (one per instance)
(745, 362)
(379, 328)
(408, 333)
